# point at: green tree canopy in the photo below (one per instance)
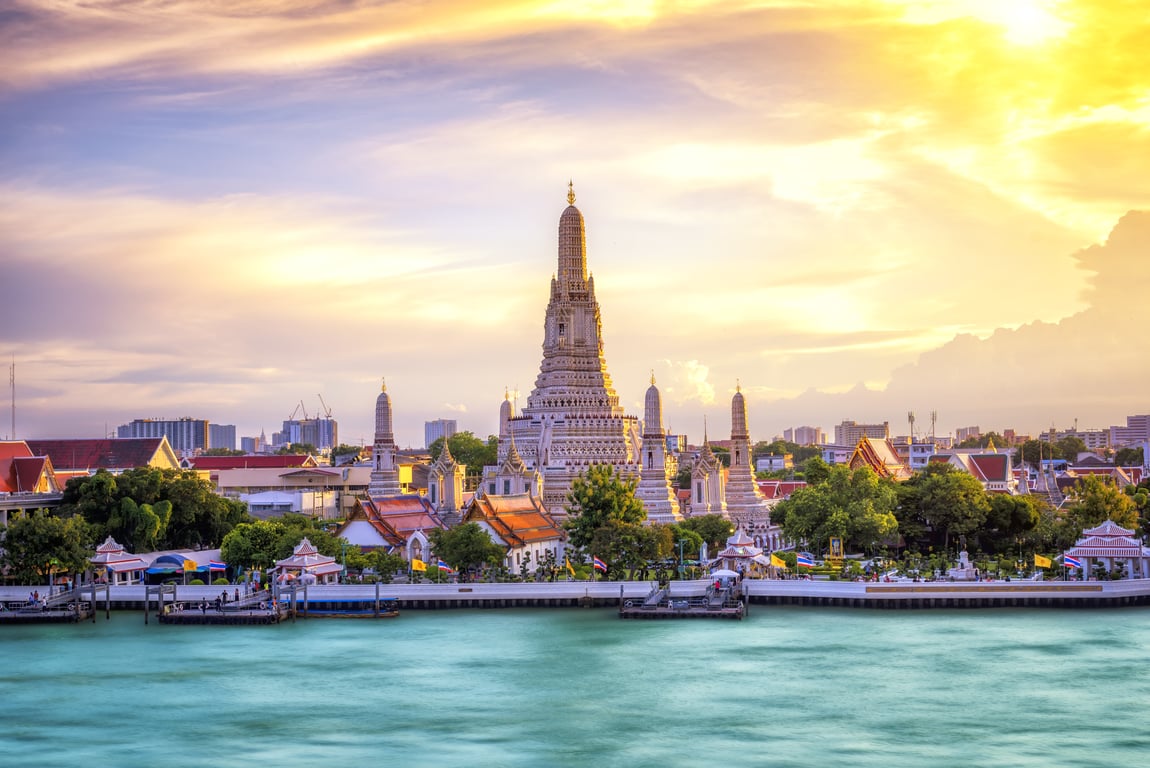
(712, 529)
(260, 543)
(856, 506)
(38, 544)
(939, 502)
(1128, 457)
(470, 450)
(224, 452)
(165, 509)
(466, 547)
(599, 497)
(297, 449)
(1096, 499)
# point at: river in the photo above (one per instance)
(575, 687)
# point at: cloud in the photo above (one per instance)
(1019, 377)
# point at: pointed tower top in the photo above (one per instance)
(652, 377)
(570, 192)
(990, 445)
(383, 384)
(738, 386)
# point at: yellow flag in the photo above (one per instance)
(191, 565)
(777, 561)
(569, 568)
(418, 565)
(1041, 562)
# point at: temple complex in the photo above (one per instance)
(573, 418)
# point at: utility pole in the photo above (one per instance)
(12, 383)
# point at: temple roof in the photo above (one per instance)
(518, 519)
(261, 461)
(116, 453)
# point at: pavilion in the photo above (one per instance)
(741, 555)
(122, 567)
(1111, 544)
(307, 564)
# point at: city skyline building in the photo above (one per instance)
(438, 428)
(849, 433)
(186, 436)
(804, 436)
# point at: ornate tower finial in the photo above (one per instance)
(738, 386)
(506, 393)
(652, 377)
(570, 192)
(383, 384)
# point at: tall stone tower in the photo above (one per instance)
(573, 418)
(746, 505)
(654, 478)
(384, 471)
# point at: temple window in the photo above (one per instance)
(506, 487)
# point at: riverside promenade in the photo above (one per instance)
(798, 592)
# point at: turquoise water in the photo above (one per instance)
(571, 687)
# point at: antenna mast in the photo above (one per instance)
(910, 418)
(12, 383)
(933, 421)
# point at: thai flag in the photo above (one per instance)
(217, 566)
(599, 564)
(444, 567)
(804, 561)
(1071, 562)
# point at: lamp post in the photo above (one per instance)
(680, 559)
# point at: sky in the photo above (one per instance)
(850, 209)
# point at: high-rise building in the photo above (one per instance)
(573, 418)
(805, 436)
(322, 433)
(849, 432)
(433, 430)
(187, 436)
(222, 436)
(962, 434)
(1136, 431)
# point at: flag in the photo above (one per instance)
(443, 566)
(1041, 562)
(805, 561)
(190, 565)
(418, 565)
(1071, 562)
(777, 561)
(599, 564)
(570, 569)
(217, 566)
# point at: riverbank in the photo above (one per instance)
(576, 594)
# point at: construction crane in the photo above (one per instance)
(326, 410)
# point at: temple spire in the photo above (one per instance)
(570, 192)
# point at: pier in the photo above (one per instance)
(186, 604)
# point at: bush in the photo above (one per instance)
(196, 582)
(221, 581)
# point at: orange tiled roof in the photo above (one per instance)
(518, 519)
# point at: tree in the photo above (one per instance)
(712, 529)
(297, 449)
(1008, 520)
(816, 470)
(1128, 457)
(469, 450)
(36, 545)
(343, 450)
(983, 441)
(466, 547)
(856, 506)
(1069, 447)
(224, 452)
(943, 498)
(599, 497)
(1096, 499)
(194, 514)
(260, 543)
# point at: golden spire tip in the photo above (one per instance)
(570, 192)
